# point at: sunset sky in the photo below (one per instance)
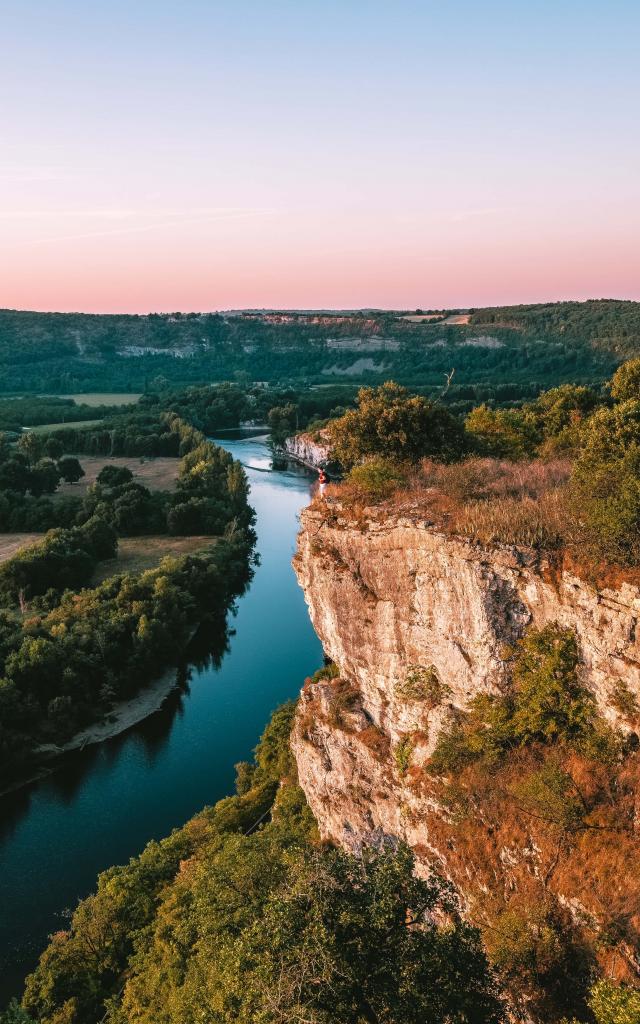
(317, 153)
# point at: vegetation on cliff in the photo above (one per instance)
(536, 769)
(562, 472)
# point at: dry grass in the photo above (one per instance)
(12, 542)
(104, 398)
(493, 501)
(157, 474)
(489, 500)
(135, 554)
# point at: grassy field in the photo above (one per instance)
(12, 542)
(135, 554)
(44, 428)
(103, 398)
(157, 474)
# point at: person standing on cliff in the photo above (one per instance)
(322, 481)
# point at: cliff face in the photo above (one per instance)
(308, 451)
(391, 598)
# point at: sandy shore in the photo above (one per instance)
(121, 717)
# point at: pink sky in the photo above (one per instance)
(211, 158)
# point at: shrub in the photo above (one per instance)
(545, 704)
(550, 793)
(402, 754)
(424, 685)
(375, 479)
(502, 433)
(549, 703)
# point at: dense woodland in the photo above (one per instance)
(519, 346)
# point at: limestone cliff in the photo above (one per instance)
(308, 450)
(391, 597)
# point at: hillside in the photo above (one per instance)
(532, 346)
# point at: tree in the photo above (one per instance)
(391, 423)
(502, 433)
(53, 448)
(613, 1004)
(70, 469)
(282, 420)
(279, 932)
(605, 484)
(625, 383)
(114, 476)
(31, 445)
(45, 477)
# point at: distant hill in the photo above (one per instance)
(530, 347)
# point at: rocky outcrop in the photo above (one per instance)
(308, 450)
(395, 601)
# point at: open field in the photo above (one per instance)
(12, 542)
(419, 318)
(458, 319)
(102, 398)
(44, 428)
(135, 554)
(158, 474)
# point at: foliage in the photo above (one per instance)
(402, 754)
(235, 921)
(613, 1004)
(62, 559)
(375, 479)
(70, 469)
(502, 433)
(625, 383)
(330, 671)
(79, 352)
(392, 424)
(114, 476)
(605, 484)
(424, 685)
(546, 704)
(66, 666)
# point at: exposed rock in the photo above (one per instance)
(306, 449)
(392, 597)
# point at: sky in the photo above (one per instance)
(202, 155)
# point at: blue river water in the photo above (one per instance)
(105, 803)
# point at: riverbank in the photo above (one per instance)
(122, 716)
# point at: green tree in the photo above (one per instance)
(625, 383)
(502, 433)
(53, 448)
(114, 476)
(391, 423)
(70, 469)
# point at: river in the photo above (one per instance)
(103, 805)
